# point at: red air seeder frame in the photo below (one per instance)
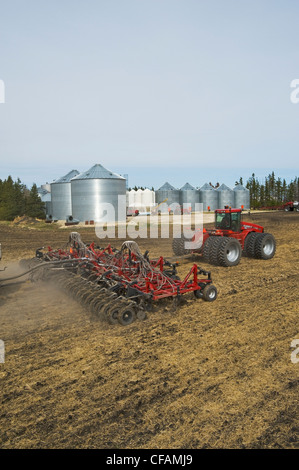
(135, 274)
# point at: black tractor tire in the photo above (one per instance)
(126, 316)
(178, 246)
(265, 246)
(214, 249)
(209, 293)
(229, 252)
(207, 248)
(249, 244)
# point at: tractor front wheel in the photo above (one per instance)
(213, 248)
(229, 252)
(207, 248)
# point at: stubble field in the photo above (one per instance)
(209, 375)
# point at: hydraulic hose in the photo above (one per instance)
(45, 263)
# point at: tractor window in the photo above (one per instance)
(236, 221)
(223, 220)
(228, 221)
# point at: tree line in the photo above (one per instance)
(17, 200)
(274, 191)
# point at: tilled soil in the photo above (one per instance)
(208, 375)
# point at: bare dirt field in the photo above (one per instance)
(209, 375)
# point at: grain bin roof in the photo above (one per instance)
(166, 187)
(207, 187)
(187, 187)
(66, 178)
(43, 191)
(240, 187)
(223, 187)
(97, 172)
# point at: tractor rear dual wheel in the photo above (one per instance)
(260, 245)
(265, 246)
(178, 246)
(249, 244)
(222, 251)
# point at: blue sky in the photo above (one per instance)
(164, 90)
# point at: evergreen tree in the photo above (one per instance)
(262, 195)
(11, 199)
(278, 190)
(284, 191)
(34, 206)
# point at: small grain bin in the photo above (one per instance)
(45, 197)
(242, 197)
(167, 195)
(132, 194)
(189, 196)
(127, 198)
(61, 196)
(138, 199)
(46, 186)
(226, 197)
(208, 196)
(148, 199)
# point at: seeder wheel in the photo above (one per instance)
(141, 315)
(209, 293)
(112, 314)
(126, 316)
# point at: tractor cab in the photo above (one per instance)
(228, 219)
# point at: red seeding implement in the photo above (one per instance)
(224, 244)
(291, 206)
(117, 285)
